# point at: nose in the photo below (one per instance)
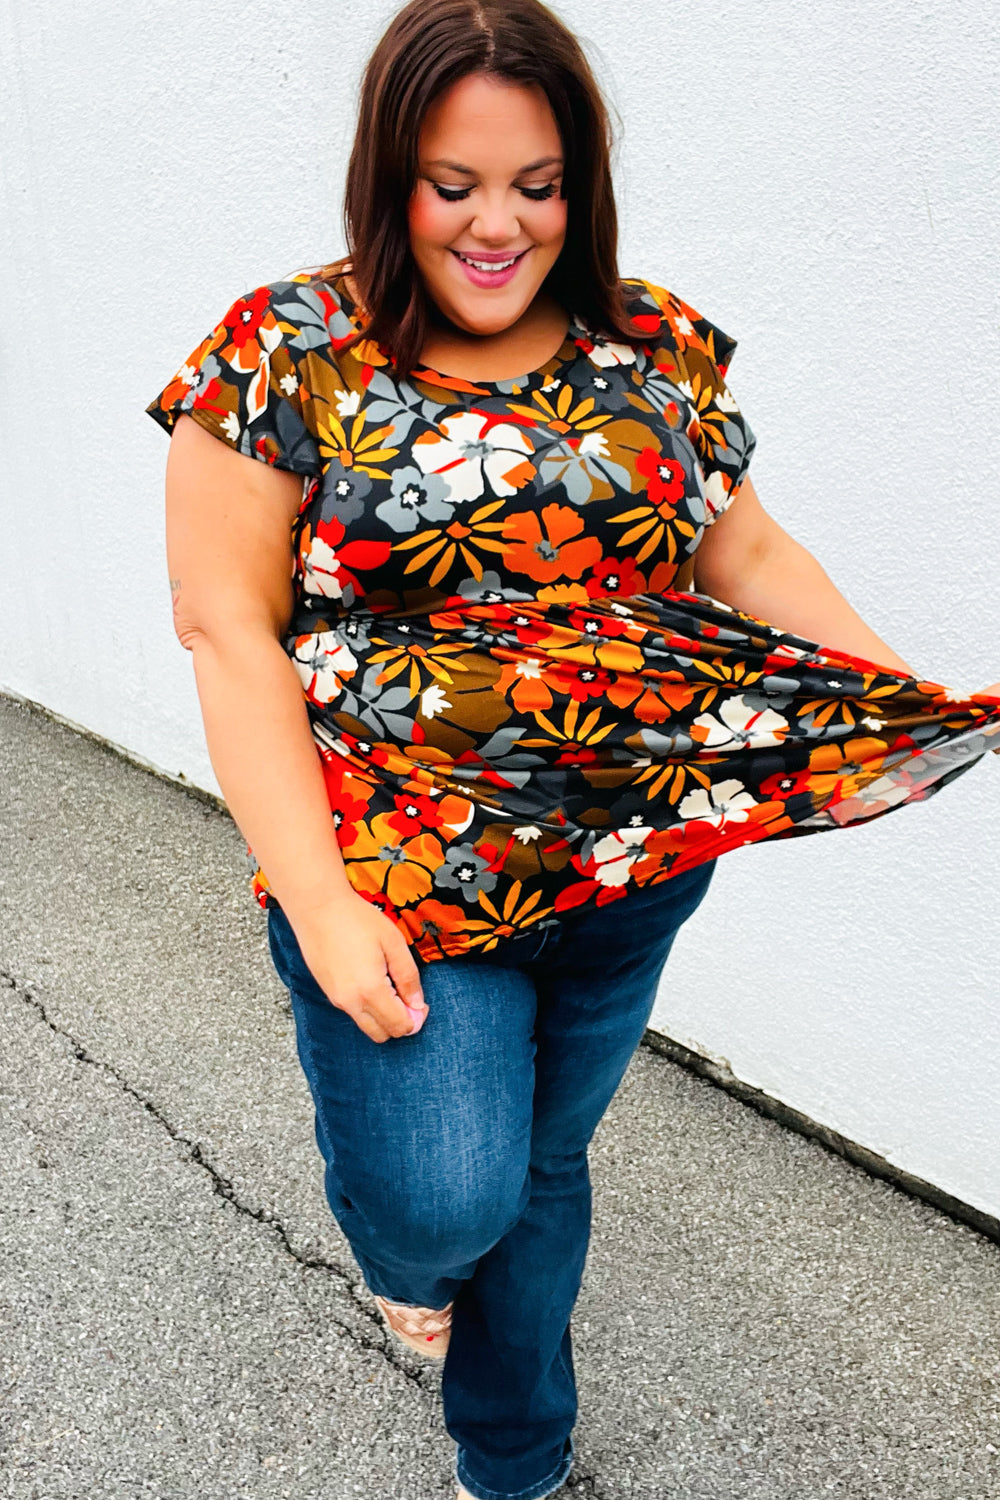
(496, 220)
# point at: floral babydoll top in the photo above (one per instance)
(520, 704)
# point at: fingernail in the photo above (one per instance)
(418, 1017)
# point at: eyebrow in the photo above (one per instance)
(533, 166)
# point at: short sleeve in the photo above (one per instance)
(721, 434)
(244, 382)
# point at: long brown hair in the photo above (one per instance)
(427, 47)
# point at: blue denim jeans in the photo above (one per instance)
(456, 1159)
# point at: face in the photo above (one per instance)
(489, 176)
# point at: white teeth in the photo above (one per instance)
(492, 265)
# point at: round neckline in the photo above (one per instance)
(567, 350)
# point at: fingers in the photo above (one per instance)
(383, 1009)
(369, 1025)
(403, 969)
(374, 978)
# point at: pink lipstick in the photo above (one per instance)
(474, 267)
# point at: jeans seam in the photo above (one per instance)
(536, 1491)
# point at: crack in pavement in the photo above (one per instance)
(584, 1485)
(224, 1188)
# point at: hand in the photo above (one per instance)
(360, 959)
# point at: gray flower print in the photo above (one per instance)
(416, 497)
(466, 871)
(344, 492)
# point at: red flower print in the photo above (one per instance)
(381, 901)
(526, 668)
(585, 682)
(415, 814)
(595, 623)
(665, 475)
(613, 577)
(245, 316)
(364, 749)
(573, 754)
(785, 784)
(347, 808)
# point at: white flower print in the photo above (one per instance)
(231, 427)
(717, 497)
(607, 353)
(321, 567)
(347, 403)
(725, 401)
(783, 649)
(594, 443)
(190, 374)
(321, 661)
(726, 802)
(289, 383)
(528, 833)
(739, 727)
(465, 451)
(617, 852)
(433, 701)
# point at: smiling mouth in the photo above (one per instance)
(490, 265)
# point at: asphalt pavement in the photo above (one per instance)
(181, 1318)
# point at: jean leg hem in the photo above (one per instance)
(546, 1486)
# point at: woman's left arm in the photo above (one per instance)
(746, 560)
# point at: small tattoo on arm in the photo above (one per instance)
(175, 592)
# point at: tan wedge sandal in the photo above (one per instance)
(425, 1330)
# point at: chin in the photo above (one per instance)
(495, 322)
(489, 315)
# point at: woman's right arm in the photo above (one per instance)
(229, 521)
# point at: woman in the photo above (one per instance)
(514, 696)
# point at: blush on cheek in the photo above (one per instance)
(551, 219)
(426, 220)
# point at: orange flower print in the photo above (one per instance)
(842, 769)
(649, 701)
(524, 686)
(437, 927)
(541, 546)
(498, 668)
(402, 869)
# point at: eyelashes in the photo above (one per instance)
(455, 195)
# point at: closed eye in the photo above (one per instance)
(455, 195)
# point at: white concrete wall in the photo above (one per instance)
(820, 180)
